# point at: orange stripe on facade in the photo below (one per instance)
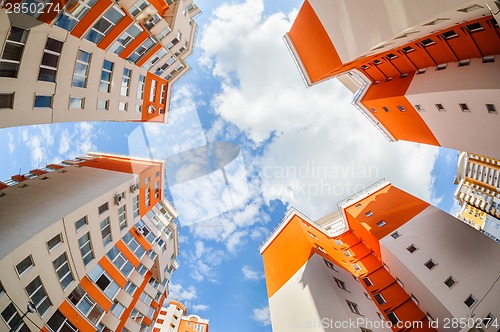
(51, 11)
(141, 239)
(75, 317)
(160, 5)
(116, 32)
(96, 294)
(128, 253)
(137, 293)
(148, 55)
(313, 45)
(89, 19)
(113, 271)
(134, 44)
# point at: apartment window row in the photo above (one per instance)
(12, 52)
(490, 108)
(105, 283)
(142, 49)
(86, 305)
(155, 58)
(50, 60)
(125, 39)
(120, 261)
(70, 17)
(133, 245)
(174, 72)
(104, 25)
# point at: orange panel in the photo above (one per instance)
(111, 36)
(128, 253)
(96, 294)
(315, 49)
(155, 116)
(75, 317)
(160, 5)
(50, 14)
(88, 20)
(113, 271)
(141, 239)
(148, 55)
(122, 164)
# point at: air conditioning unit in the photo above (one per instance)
(148, 19)
(134, 187)
(119, 198)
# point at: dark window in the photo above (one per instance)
(449, 34)
(393, 318)
(408, 49)
(367, 281)
(430, 264)
(491, 108)
(103, 208)
(474, 27)
(450, 282)
(427, 42)
(412, 248)
(470, 301)
(379, 298)
(7, 100)
(43, 101)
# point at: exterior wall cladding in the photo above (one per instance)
(90, 242)
(387, 261)
(96, 60)
(421, 71)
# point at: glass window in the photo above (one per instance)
(43, 101)
(24, 265)
(104, 25)
(74, 13)
(104, 281)
(127, 74)
(125, 39)
(13, 319)
(59, 323)
(140, 88)
(137, 7)
(81, 222)
(103, 104)
(118, 260)
(122, 216)
(81, 69)
(133, 245)
(63, 270)
(38, 296)
(142, 49)
(106, 76)
(50, 60)
(55, 241)
(7, 100)
(106, 231)
(76, 103)
(103, 208)
(86, 248)
(13, 52)
(86, 305)
(136, 206)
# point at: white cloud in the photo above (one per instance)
(249, 274)
(204, 262)
(179, 293)
(312, 129)
(262, 315)
(11, 144)
(199, 307)
(455, 208)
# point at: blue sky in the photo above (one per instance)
(298, 146)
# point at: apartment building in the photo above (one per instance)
(421, 71)
(478, 193)
(92, 60)
(384, 261)
(88, 244)
(175, 318)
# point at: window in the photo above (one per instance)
(488, 320)
(155, 58)
(429, 317)
(385, 109)
(137, 7)
(43, 101)
(38, 296)
(117, 309)
(59, 323)
(147, 195)
(81, 69)
(102, 104)
(50, 60)
(395, 235)
(369, 213)
(104, 25)
(118, 260)
(401, 108)
(463, 63)
(13, 52)
(106, 74)
(379, 298)
(367, 281)
(469, 301)
(163, 93)
(381, 223)
(86, 248)
(76, 103)
(141, 269)
(146, 298)
(103, 208)
(440, 107)
(81, 222)
(136, 206)
(421, 71)
(127, 74)
(71, 16)
(24, 265)
(393, 318)
(86, 305)
(407, 49)
(320, 248)
(152, 92)
(163, 33)
(391, 56)
(338, 242)
(106, 231)
(175, 41)
(140, 87)
(104, 281)
(55, 241)
(347, 253)
(125, 39)
(330, 265)
(430, 264)
(133, 245)
(491, 108)
(122, 216)
(312, 235)
(380, 316)
(489, 59)
(354, 307)
(464, 108)
(122, 106)
(474, 27)
(414, 299)
(7, 100)
(400, 283)
(377, 62)
(13, 320)
(441, 66)
(63, 270)
(427, 42)
(138, 108)
(356, 267)
(142, 49)
(340, 283)
(411, 248)
(449, 34)
(130, 287)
